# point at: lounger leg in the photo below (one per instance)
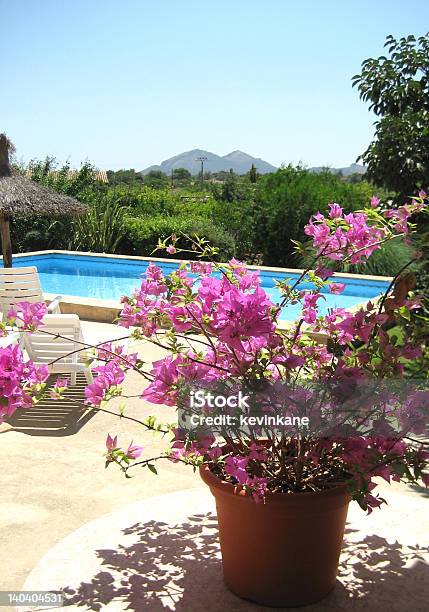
(73, 379)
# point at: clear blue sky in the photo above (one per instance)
(128, 83)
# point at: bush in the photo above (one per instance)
(39, 233)
(284, 202)
(237, 218)
(391, 257)
(143, 234)
(63, 179)
(145, 200)
(156, 179)
(387, 261)
(102, 229)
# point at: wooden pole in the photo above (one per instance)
(5, 147)
(5, 241)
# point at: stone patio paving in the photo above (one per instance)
(150, 542)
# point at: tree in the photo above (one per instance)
(63, 179)
(253, 174)
(181, 174)
(285, 200)
(230, 188)
(356, 177)
(156, 179)
(127, 177)
(397, 88)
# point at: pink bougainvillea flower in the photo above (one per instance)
(21, 381)
(236, 467)
(95, 393)
(336, 288)
(323, 272)
(239, 268)
(344, 235)
(335, 210)
(111, 443)
(201, 267)
(110, 376)
(241, 315)
(27, 315)
(258, 487)
(154, 272)
(163, 389)
(193, 448)
(214, 453)
(257, 451)
(171, 250)
(309, 309)
(374, 202)
(62, 382)
(57, 391)
(133, 451)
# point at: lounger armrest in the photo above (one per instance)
(54, 306)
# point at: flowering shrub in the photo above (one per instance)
(222, 331)
(21, 382)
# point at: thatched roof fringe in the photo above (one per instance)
(21, 197)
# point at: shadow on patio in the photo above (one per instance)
(55, 417)
(179, 568)
(422, 490)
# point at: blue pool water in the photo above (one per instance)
(110, 278)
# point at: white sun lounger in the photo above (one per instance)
(22, 285)
(58, 343)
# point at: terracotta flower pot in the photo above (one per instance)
(283, 552)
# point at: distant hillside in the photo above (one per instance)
(242, 162)
(237, 160)
(347, 171)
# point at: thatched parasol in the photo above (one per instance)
(22, 197)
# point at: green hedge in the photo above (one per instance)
(143, 233)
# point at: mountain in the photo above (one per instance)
(242, 162)
(237, 160)
(347, 171)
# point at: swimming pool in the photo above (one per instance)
(109, 278)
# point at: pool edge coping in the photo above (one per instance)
(178, 261)
(106, 310)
